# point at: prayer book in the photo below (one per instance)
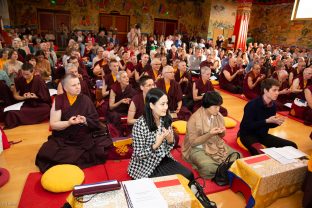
(16, 106)
(52, 92)
(284, 155)
(143, 193)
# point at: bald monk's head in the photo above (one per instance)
(307, 73)
(282, 75)
(232, 62)
(168, 72)
(71, 84)
(71, 69)
(122, 78)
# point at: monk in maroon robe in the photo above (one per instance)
(231, 78)
(201, 86)
(6, 96)
(154, 72)
(295, 72)
(72, 69)
(284, 95)
(107, 82)
(252, 82)
(119, 100)
(142, 67)
(307, 118)
(184, 78)
(136, 108)
(33, 91)
(73, 121)
(130, 68)
(125, 59)
(174, 93)
(302, 82)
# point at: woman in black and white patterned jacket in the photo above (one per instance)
(153, 139)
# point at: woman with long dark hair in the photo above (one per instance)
(153, 139)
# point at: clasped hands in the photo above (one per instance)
(217, 130)
(276, 120)
(29, 95)
(126, 100)
(161, 136)
(77, 120)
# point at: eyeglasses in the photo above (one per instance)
(170, 72)
(157, 64)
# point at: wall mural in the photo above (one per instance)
(223, 14)
(266, 27)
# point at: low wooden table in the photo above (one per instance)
(262, 179)
(173, 188)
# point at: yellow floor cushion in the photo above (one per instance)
(180, 126)
(240, 143)
(62, 178)
(229, 122)
(214, 82)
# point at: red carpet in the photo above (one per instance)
(34, 195)
(230, 139)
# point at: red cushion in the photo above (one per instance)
(4, 176)
(117, 169)
(5, 142)
(34, 195)
(238, 185)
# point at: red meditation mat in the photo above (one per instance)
(34, 195)
(5, 143)
(230, 139)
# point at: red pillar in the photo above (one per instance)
(241, 24)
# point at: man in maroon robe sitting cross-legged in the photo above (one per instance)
(73, 119)
(33, 91)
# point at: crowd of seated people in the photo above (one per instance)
(113, 82)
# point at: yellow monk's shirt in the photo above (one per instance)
(167, 87)
(71, 99)
(114, 77)
(29, 80)
(2, 62)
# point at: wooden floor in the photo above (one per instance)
(20, 158)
